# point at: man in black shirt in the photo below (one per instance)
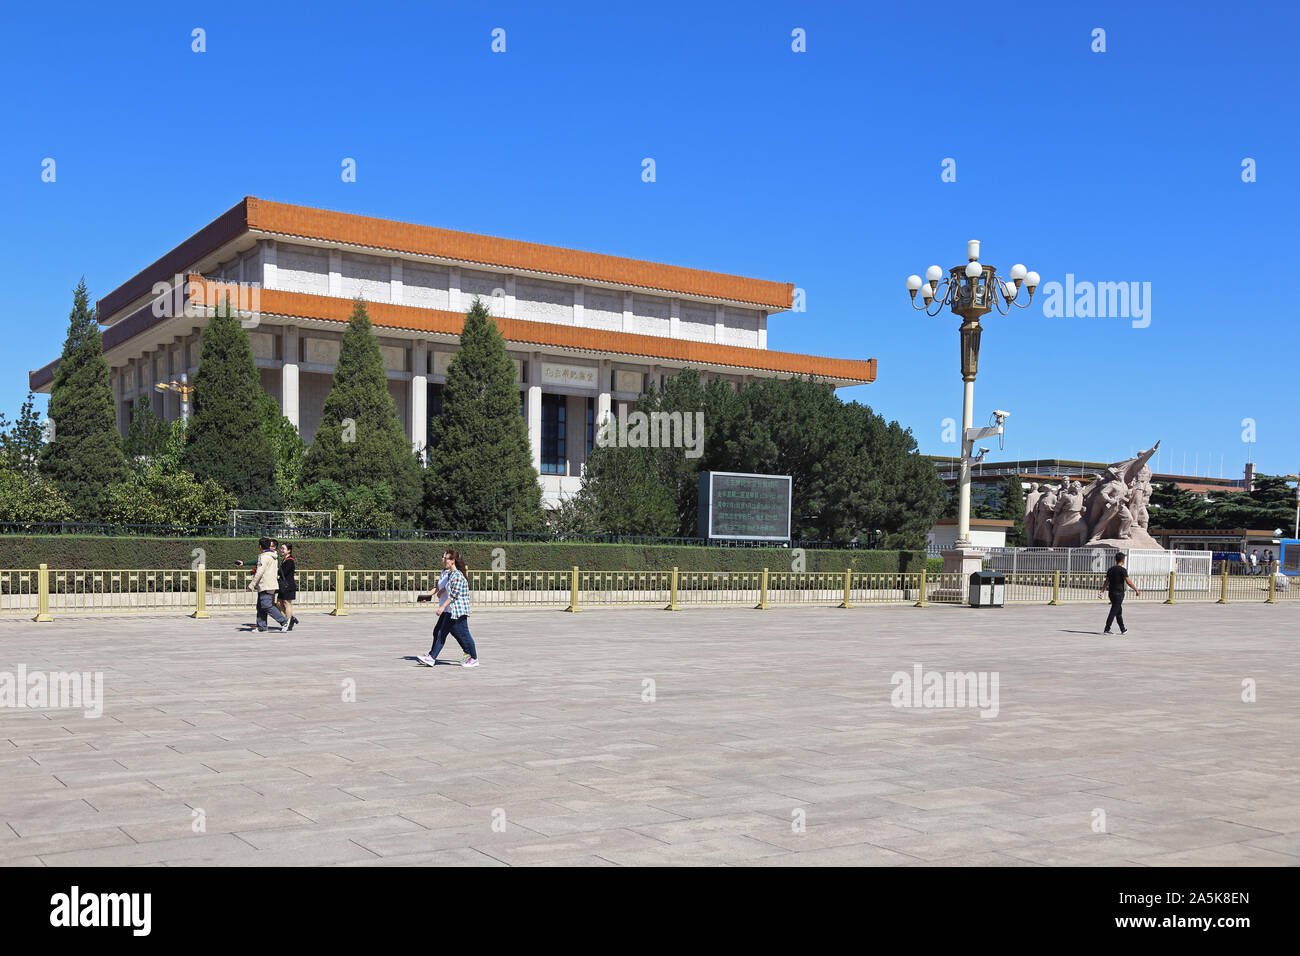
(1116, 578)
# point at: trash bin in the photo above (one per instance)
(988, 589)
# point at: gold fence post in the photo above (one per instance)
(339, 584)
(1223, 585)
(1169, 599)
(43, 595)
(1272, 588)
(848, 583)
(201, 593)
(762, 594)
(921, 597)
(573, 592)
(672, 594)
(1056, 590)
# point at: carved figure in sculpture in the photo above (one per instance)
(1031, 500)
(1069, 528)
(1138, 501)
(1111, 516)
(1044, 515)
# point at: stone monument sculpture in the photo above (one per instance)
(1111, 511)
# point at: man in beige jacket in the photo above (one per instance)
(263, 583)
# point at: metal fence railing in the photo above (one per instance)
(44, 592)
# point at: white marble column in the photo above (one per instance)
(605, 384)
(419, 417)
(289, 376)
(535, 409)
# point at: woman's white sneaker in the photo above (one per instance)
(470, 662)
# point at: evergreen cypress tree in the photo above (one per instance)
(85, 456)
(360, 441)
(225, 440)
(480, 463)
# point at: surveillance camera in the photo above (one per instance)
(1000, 414)
(983, 450)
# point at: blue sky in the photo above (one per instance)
(819, 168)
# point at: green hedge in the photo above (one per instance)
(67, 552)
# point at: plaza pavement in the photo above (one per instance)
(766, 738)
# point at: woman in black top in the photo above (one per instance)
(287, 584)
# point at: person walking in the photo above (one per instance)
(263, 583)
(1245, 563)
(440, 590)
(274, 550)
(457, 605)
(1268, 562)
(287, 583)
(1254, 561)
(1116, 578)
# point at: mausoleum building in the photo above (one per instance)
(588, 332)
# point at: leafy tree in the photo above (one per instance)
(31, 498)
(162, 496)
(359, 506)
(1013, 509)
(480, 461)
(853, 473)
(360, 441)
(621, 493)
(147, 434)
(21, 442)
(287, 447)
(85, 455)
(225, 441)
(687, 394)
(1173, 507)
(1270, 504)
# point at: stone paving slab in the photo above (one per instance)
(637, 737)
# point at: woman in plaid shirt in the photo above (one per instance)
(456, 604)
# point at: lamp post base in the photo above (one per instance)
(959, 563)
(962, 558)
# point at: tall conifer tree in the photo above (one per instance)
(225, 440)
(480, 463)
(85, 456)
(360, 441)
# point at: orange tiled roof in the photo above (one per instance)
(252, 214)
(206, 292)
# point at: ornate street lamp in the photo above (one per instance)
(184, 389)
(970, 290)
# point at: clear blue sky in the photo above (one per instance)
(819, 168)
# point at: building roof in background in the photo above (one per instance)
(252, 215)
